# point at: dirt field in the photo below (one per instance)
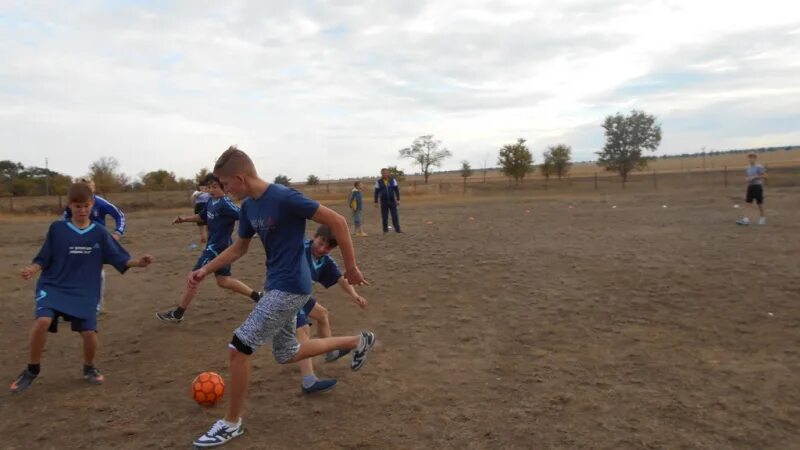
(588, 327)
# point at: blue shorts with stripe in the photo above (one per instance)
(206, 257)
(303, 318)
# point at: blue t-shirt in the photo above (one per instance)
(758, 171)
(71, 260)
(220, 214)
(324, 270)
(100, 210)
(279, 218)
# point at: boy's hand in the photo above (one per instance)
(196, 277)
(355, 277)
(177, 220)
(360, 301)
(146, 260)
(29, 271)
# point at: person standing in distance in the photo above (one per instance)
(387, 191)
(756, 173)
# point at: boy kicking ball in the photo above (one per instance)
(69, 287)
(755, 176)
(220, 215)
(278, 216)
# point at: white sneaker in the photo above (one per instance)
(762, 221)
(743, 221)
(219, 434)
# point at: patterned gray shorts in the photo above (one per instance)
(273, 320)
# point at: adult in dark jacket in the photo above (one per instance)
(387, 192)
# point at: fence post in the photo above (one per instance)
(595, 181)
(726, 176)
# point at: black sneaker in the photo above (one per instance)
(256, 296)
(93, 376)
(23, 381)
(169, 316)
(360, 353)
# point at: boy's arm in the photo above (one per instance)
(194, 219)
(397, 191)
(338, 224)
(118, 216)
(351, 291)
(143, 261)
(29, 271)
(231, 254)
(377, 188)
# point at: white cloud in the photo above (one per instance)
(336, 87)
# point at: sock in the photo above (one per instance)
(256, 296)
(309, 380)
(34, 368)
(236, 424)
(178, 313)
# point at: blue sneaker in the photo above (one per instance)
(360, 353)
(320, 386)
(219, 434)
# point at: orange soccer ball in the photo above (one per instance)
(207, 388)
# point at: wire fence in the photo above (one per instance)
(337, 192)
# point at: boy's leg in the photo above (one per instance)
(90, 344)
(203, 234)
(310, 384)
(395, 218)
(240, 379)
(385, 217)
(176, 315)
(228, 282)
(38, 337)
(320, 315)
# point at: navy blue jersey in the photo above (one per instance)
(279, 218)
(71, 259)
(220, 214)
(323, 270)
(100, 210)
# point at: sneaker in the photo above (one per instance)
(169, 316)
(362, 234)
(256, 296)
(360, 354)
(743, 221)
(23, 381)
(219, 434)
(762, 221)
(319, 386)
(334, 355)
(93, 376)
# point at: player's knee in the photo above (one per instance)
(237, 345)
(222, 282)
(283, 358)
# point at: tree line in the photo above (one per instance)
(627, 138)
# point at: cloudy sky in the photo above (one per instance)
(337, 87)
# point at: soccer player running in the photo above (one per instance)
(278, 215)
(220, 215)
(69, 287)
(755, 176)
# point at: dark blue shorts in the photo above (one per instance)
(206, 257)
(78, 324)
(303, 318)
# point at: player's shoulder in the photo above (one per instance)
(229, 203)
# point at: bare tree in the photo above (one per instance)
(427, 153)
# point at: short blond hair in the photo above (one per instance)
(234, 162)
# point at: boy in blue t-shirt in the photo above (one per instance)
(70, 262)
(325, 272)
(278, 215)
(220, 215)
